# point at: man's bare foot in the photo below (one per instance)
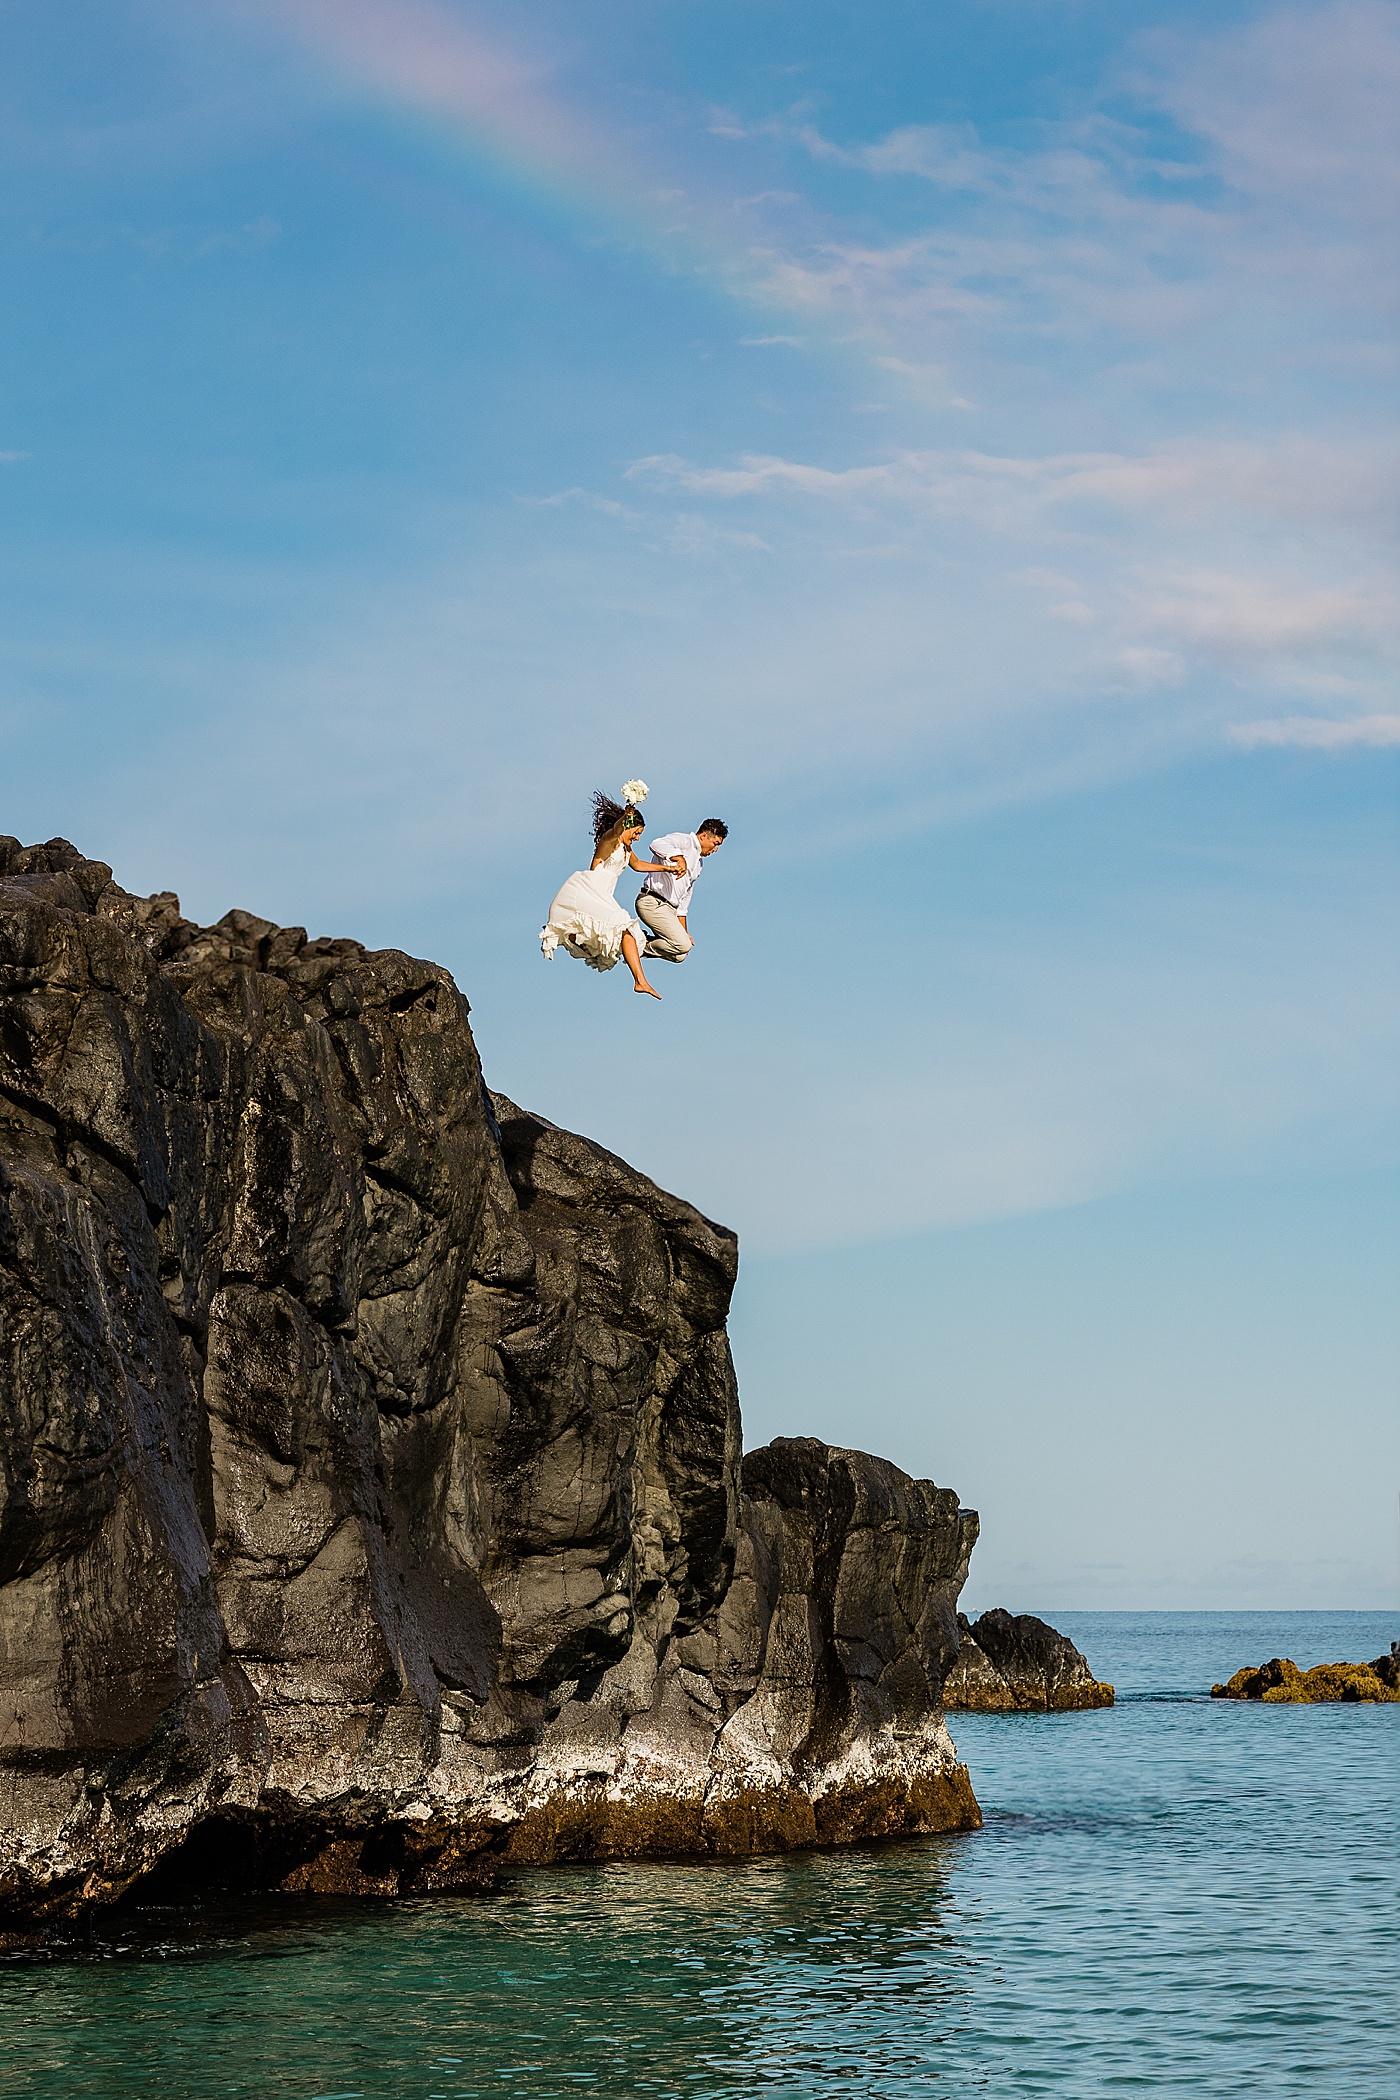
(642, 986)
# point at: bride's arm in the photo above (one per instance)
(674, 866)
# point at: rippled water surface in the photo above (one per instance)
(1173, 1896)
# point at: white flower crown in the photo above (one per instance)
(634, 793)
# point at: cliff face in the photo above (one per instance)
(373, 1504)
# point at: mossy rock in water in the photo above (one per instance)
(1282, 1683)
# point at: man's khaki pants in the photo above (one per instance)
(669, 940)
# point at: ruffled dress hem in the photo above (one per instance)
(597, 942)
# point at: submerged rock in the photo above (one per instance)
(373, 1502)
(1282, 1683)
(1017, 1664)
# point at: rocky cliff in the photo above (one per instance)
(1010, 1663)
(373, 1503)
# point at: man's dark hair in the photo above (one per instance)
(715, 825)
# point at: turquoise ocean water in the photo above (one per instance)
(1175, 1896)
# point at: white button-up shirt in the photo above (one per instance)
(676, 889)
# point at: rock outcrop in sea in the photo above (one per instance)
(1282, 1683)
(373, 1501)
(1017, 1664)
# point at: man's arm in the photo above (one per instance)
(665, 850)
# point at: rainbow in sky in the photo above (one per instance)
(499, 109)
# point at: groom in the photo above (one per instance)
(663, 901)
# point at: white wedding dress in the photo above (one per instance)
(586, 919)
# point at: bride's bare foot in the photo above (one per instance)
(642, 986)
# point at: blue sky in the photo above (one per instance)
(954, 443)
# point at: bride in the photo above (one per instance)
(585, 918)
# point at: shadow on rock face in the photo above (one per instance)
(373, 1502)
(250, 1852)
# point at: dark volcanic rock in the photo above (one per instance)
(371, 1501)
(1019, 1664)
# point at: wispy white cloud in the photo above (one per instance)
(1318, 733)
(1273, 202)
(248, 239)
(588, 498)
(1076, 167)
(1298, 104)
(1292, 478)
(693, 533)
(1233, 616)
(1135, 668)
(183, 243)
(1112, 530)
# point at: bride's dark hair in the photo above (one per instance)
(610, 816)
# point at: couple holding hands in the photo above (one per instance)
(585, 918)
